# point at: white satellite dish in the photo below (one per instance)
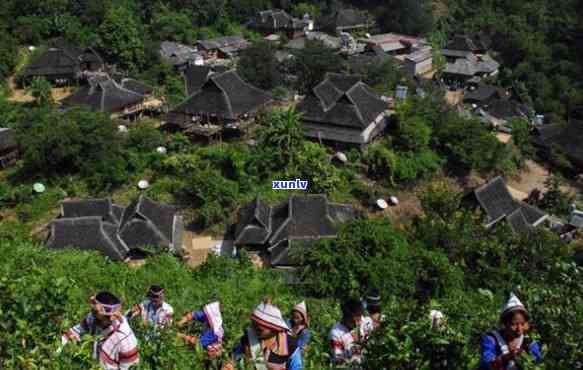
(161, 150)
(382, 204)
(31, 48)
(368, 35)
(394, 200)
(122, 128)
(39, 188)
(143, 184)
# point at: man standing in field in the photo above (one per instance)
(116, 346)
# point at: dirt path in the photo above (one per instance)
(454, 97)
(534, 176)
(20, 96)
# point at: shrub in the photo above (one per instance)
(381, 162)
(313, 164)
(144, 137)
(366, 253)
(412, 166)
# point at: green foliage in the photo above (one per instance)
(40, 89)
(384, 77)
(144, 137)
(555, 200)
(8, 53)
(313, 62)
(467, 144)
(381, 162)
(313, 164)
(300, 9)
(169, 25)
(258, 66)
(521, 136)
(417, 165)
(366, 253)
(121, 38)
(45, 292)
(280, 138)
(76, 141)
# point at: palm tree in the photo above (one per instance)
(282, 132)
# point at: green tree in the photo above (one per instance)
(8, 53)
(74, 142)
(312, 163)
(312, 63)
(521, 136)
(300, 9)
(280, 138)
(366, 253)
(258, 66)
(381, 162)
(41, 91)
(121, 38)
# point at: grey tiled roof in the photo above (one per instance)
(61, 58)
(90, 233)
(197, 76)
(90, 208)
(7, 139)
(342, 101)
(226, 96)
(237, 42)
(113, 230)
(275, 20)
(498, 204)
(104, 94)
(255, 224)
(177, 54)
(295, 223)
(482, 93)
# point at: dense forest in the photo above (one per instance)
(442, 259)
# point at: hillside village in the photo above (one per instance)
(438, 175)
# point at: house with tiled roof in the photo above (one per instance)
(122, 98)
(283, 230)
(226, 47)
(343, 110)
(344, 20)
(273, 21)
(196, 76)
(224, 102)
(9, 152)
(484, 94)
(462, 70)
(497, 204)
(114, 230)
(393, 43)
(63, 63)
(179, 56)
